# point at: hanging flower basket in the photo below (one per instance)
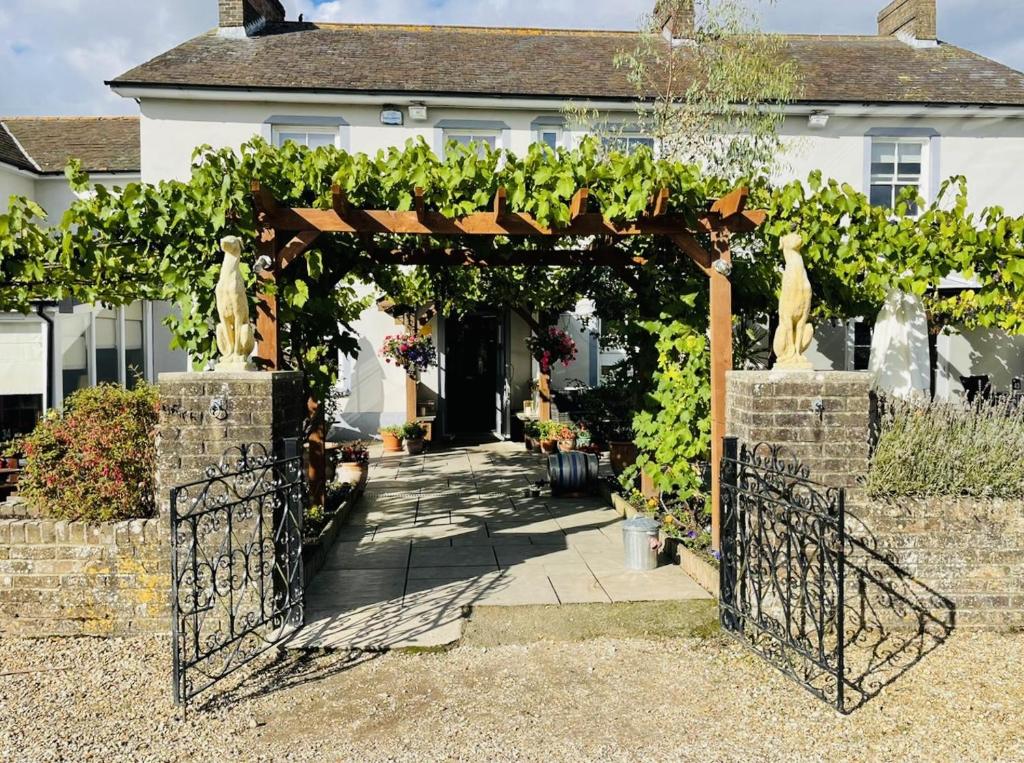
(551, 347)
(413, 353)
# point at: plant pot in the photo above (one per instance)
(415, 446)
(11, 463)
(528, 441)
(392, 442)
(352, 472)
(567, 445)
(621, 455)
(549, 446)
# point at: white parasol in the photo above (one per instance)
(900, 362)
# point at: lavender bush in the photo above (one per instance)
(949, 449)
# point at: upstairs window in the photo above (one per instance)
(550, 136)
(311, 137)
(895, 166)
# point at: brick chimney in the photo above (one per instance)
(249, 15)
(675, 19)
(909, 20)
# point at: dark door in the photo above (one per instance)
(471, 374)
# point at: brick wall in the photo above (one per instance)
(242, 13)
(935, 560)
(914, 17)
(969, 551)
(74, 579)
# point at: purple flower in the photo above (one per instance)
(692, 534)
(717, 555)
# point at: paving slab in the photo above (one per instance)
(437, 533)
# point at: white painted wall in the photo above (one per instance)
(14, 183)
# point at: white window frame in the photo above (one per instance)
(923, 179)
(555, 130)
(281, 129)
(449, 133)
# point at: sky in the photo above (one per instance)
(56, 54)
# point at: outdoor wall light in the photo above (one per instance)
(723, 267)
(262, 263)
(818, 120)
(418, 112)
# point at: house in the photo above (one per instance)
(62, 347)
(882, 111)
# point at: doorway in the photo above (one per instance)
(474, 374)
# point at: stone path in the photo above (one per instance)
(436, 533)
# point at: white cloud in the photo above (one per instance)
(55, 54)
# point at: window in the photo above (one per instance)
(107, 365)
(859, 337)
(627, 144)
(896, 165)
(466, 137)
(312, 137)
(550, 136)
(134, 345)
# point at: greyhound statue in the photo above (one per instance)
(235, 338)
(793, 336)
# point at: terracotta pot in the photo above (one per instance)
(352, 473)
(621, 455)
(415, 446)
(392, 442)
(12, 463)
(549, 446)
(567, 445)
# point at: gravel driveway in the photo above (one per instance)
(603, 699)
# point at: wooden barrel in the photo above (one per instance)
(572, 473)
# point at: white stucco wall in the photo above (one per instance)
(14, 183)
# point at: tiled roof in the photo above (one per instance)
(550, 63)
(102, 144)
(11, 154)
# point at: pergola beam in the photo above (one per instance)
(497, 223)
(604, 256)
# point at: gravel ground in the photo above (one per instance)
(603, 699)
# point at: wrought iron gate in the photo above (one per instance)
(783, 566)
(236, 563)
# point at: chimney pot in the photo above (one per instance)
(915, 19)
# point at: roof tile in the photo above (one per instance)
(102, 144)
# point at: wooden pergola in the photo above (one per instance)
(286, 233)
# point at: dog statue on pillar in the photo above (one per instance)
(793, 336)
(235, 337)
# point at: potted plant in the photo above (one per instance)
(531, 435)
(567, 438)
(353, 463)
(415, 434)
(548, 434)
(622, 451)
(392, 437)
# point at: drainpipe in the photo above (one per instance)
(50, 344)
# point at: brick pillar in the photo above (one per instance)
(821, 418)
(204, 414)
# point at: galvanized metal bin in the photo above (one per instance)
(640, 538)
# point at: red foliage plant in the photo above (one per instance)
(96, 461)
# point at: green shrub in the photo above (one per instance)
(949, 449)
(94, 462)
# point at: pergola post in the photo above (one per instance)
(544, 394)
(266, 309)
(721, 362)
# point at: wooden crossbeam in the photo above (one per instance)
(500, 204)
(578, 206)
(692, 249)
(420, 204)
(339, 201)
(602, 257)
(298, 244)
(731, 204)
(490, 224)
(659, 204)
